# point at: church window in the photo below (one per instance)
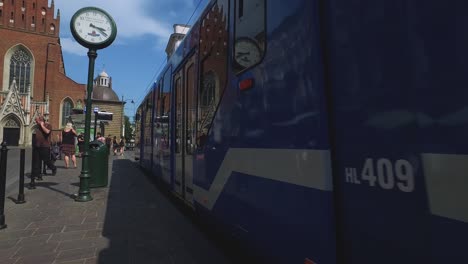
(52, 27)
(34, 5)
(1, 13)
(43, 12)
(208, 90)
(22, 17)
(66, 110)
(23, 4)
(20, 70)
(12, 123)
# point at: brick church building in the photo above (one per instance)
(33, 78)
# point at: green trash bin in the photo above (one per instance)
(98, 164)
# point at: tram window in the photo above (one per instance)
(166, 106)
(249, 41)
(213, 66)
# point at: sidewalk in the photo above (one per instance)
(130, 221)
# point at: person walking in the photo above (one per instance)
(99, 137)
(122, 145)
(41, 148)
(68, 144)
(80, 143)
(115, 145)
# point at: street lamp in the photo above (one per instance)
(122, 126)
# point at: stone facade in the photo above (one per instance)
(32, 79)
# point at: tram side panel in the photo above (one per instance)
(146, 159)
(399, 117)
(264, 168)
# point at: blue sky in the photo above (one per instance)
(137, 54)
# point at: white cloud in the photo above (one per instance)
(71, 46)
(131, 17)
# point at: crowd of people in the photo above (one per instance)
(68, 144)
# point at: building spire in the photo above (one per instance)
(58, 12)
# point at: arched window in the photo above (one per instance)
(66, 110)
(20, 70)
(208, 90)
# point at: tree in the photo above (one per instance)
(128, 129)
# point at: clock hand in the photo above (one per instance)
(99, 29)
(239, 54)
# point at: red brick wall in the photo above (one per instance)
(45, 50)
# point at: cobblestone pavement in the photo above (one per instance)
(130, 221)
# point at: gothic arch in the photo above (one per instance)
(66, 106)
(209, 92)
(6, 65)
(13, 124)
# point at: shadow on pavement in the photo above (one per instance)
(144, 224)
(49, 185)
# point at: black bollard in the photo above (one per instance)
(20, 199)
(34, 165)
(3, 167)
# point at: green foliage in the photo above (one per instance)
(128, 129)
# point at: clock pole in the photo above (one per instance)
(84, 193)
(83, 25)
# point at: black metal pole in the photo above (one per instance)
(3, 164)
(20, 199)
(84, 194)
(44, 170)
(35, 164)
(95, 124)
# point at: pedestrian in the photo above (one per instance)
(99, 137)
(41, 147)
(68, 144)
(115, 145)
(109, 142)
(122, 145)
(80, 144)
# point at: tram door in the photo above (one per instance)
(185, 89)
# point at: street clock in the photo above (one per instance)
(93, 28)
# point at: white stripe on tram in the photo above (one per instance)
(447, 184)
(308, 168)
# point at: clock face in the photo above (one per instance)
(93, 27)
(247, 52)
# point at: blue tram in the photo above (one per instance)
(320, 131)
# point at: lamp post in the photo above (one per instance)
(94, 29)
(122, 127)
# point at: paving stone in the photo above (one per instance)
(94, 233)
(75, 254)
(6, 244)
(74, 235)
(48, 230)
(8, 261)
(93, 261)
(8, 253)
(88, 226)
(8, 235)
(34, 240)
(37, 259)
(79, 261)
(75, 244)
(37, 249)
